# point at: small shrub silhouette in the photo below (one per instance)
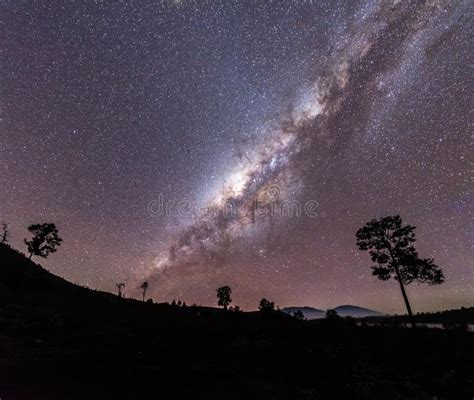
(298, 314)
(332, 315)
(266, 305)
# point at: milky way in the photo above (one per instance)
(194, 145)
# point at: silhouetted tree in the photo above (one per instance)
(144, 287)
(5, 233)
(389, 244)
(45, 240)
(298, 314)
(120, 286)
(266, 305)
(332, 314)
(223, 296)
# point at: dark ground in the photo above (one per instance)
(61, 341)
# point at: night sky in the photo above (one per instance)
(235, 116)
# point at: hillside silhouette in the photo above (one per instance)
(24, 281)
(59, 340)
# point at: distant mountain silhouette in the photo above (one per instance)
(357, 312)
(343, 311)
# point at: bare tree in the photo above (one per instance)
(144, 287)
(120, 286)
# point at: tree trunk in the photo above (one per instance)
(31, 255)
(400, 282)
(405, 298)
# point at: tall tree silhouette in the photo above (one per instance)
(144, 287)
(223, 296)
(390, 245)
(45, 240)
(120, 286)
(5, 233)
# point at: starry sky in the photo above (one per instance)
(194, 144)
